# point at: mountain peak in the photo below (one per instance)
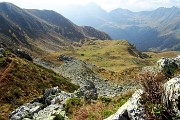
(93, 5)
(7, 4)
(121, 10)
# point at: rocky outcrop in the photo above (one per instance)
(89, 91)
(168, 65)
(81, 73)
(2, 52)
(45, 108)
(65, 58)
(172, 94)
(131, 110)
(22, 54)
(26, 111)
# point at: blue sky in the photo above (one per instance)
(134, 5)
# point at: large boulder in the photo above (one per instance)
(131, 110)
(172, 94)
(48, 107)
(89, 91)
(26, 111)
(54, 96)
(65, 58)
(168, 65)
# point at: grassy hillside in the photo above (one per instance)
(116, 60)
(111, 55)
(21, 81)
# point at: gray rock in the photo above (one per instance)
(65, 58)
(46, 108)
(172, 94)
(89, 91)
(131, 110)
(168, 65)
(81, 72)
(177, 59)
(2, 52)
(49, 94)
(25, 111)
(50, 112)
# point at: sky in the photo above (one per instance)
(108, 5)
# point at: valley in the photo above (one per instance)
(154, 30)
(53, 69)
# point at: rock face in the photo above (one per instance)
(172, 94)
(81, 73)
(45, 108)
(131, 110)
(168, 65)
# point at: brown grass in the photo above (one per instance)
(22, 81)
(89, 112)
(152, 84)
(7, 71)
(100, 109)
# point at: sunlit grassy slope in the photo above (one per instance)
(109, 54)
(22, 81)
(116, 59)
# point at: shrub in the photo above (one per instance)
(71, 105)
(152, 84)
(106, 113)
(105, 99)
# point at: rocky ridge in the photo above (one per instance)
(81, 73)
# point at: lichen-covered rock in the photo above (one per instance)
(168, 65)
(59, 98)
(46, 108)
(172, 94)
(26, 111)
(89, 91)
(131, 110)
(50, 112)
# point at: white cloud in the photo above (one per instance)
(135, 5)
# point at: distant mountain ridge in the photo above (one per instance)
(156, 30)
(40, 29)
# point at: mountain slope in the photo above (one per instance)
(32, 29)
(67, 28)
(21, 81)
(156, 30)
